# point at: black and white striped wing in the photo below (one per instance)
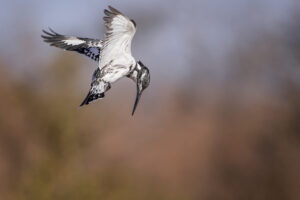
(88, 47)
(120, 31)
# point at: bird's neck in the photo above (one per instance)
(135, 72)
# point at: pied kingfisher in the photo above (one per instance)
(113, 55)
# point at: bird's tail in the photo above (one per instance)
(91, 97)
(98, 88)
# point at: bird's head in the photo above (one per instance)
(142, 78)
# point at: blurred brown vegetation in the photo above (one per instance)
(238, 138)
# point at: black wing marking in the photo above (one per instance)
(86, 46)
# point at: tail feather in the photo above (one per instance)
(98, 88)
(91, 97)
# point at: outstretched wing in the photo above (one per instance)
(118, 37)
(85, 46)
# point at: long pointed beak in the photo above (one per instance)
(137, 99)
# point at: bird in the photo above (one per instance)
(113, 55)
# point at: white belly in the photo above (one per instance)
(117, 68)
(114, 73)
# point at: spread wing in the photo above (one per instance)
(89, 47)
(118, 37)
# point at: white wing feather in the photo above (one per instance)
(118, 37)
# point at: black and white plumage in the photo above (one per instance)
(113, 54)
(85, 46)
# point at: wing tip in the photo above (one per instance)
(115, 11)
(49, 34)
(108, 13)
(111, 11)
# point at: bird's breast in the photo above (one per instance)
(114, 72)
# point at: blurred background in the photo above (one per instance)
(220, 120)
